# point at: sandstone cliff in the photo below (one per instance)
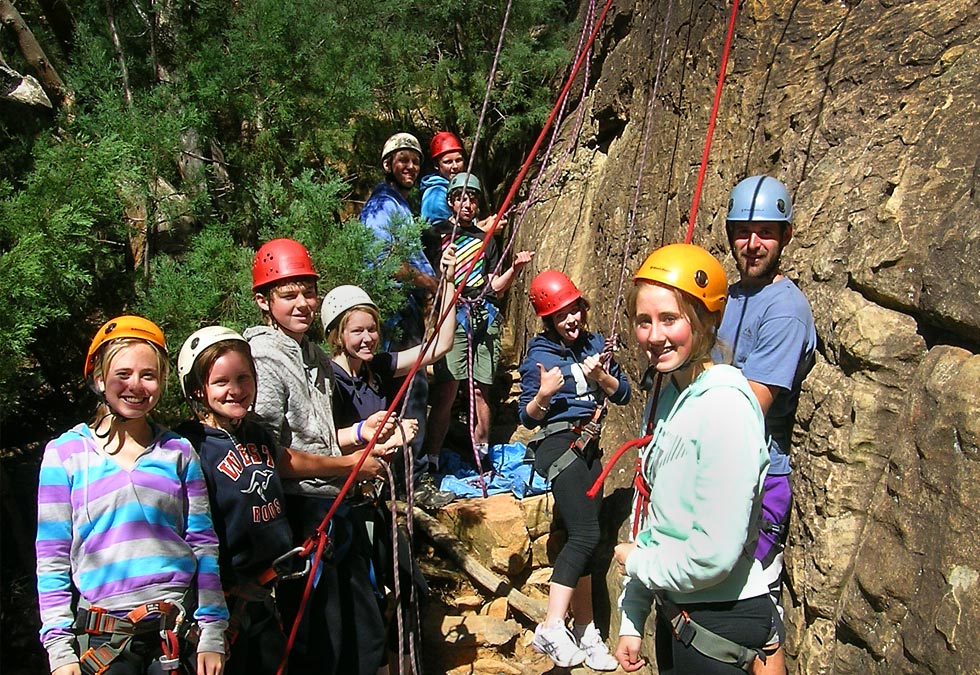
(868, 111)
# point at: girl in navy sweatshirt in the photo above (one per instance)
(565, 379)
(242, 465)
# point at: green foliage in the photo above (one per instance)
(61, 245)
(294, 99)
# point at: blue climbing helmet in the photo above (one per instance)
(760, 198)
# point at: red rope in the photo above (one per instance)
(711, 123)
(636, 442)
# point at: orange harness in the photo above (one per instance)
(170, 625)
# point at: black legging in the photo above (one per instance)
(580, 514)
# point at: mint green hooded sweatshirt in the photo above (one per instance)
(705, 467)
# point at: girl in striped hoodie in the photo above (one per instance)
(123, 522)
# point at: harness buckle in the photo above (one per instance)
(682, 629)
(97, 659)
(98, 621)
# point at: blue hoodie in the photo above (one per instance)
(579, 396)
(434, 190)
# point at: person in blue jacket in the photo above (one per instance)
(448, 159)
(446, 152)
(565, 379)
(385, 210)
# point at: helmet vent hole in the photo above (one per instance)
(701, 278)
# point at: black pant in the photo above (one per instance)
(259, 643)
(342, 630)
(580, 514)
(142, 656)
(745, 622)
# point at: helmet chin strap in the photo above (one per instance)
(112, 413)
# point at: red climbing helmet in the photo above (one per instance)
(551, 291)
(443, 142)
(281, 259)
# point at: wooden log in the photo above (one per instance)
(32, 52)
(21, 88)
(534, 610)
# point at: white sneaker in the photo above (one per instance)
(597, 656)
(558, 643)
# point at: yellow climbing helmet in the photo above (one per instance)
(687, 268)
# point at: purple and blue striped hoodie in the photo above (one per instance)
(123, 538)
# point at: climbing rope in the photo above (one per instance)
(594, 490)
(647, 125)
(711, 123)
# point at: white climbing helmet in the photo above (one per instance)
(197, 343)
(339, 300)
(401, 141)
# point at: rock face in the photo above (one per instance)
(868, 111)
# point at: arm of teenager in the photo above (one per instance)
(358, 435)
(406, 429)
(505, 280)
(613, 382)
(538, 386)
(211, 613)
(774, 360)
(487, 222)
(635, 604)
(732, 455)
(53, 548)
(410, 275)
(299, 464)
(405, 359)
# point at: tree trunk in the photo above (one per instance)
(34, 54)
(120, 55)
(59, 17)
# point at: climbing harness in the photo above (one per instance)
(690, 633)
(167, 619)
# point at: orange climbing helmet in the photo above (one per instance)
(687, 268)
(443, 142)
(127, 326)
(279, 260)
(551, 291)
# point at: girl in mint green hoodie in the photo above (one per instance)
(700, 486)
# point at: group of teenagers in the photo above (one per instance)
(164, 550)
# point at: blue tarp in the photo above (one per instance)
(509, 473)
